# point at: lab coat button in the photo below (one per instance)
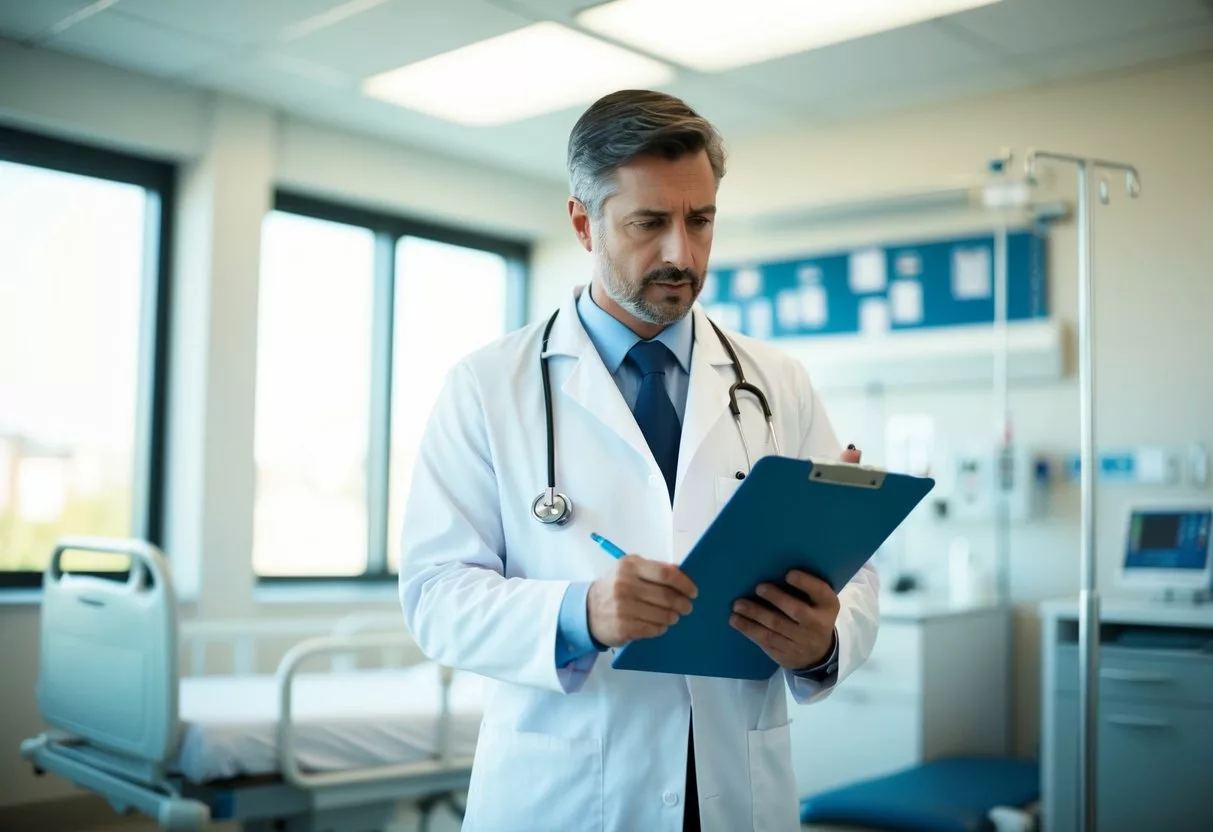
(670, 799)
(655, 481)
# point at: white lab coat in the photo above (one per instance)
(589, 748)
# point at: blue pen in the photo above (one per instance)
(609, 547)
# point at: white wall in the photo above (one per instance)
(233, 154)
(1153, 261)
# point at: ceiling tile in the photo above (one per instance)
(1021, 27)
(1155, 44)
(276, 79)
(130, 42)
(232, 22)
(398, 33)
(991, 78)
(535, 146)
(24, 19)
(880, 66)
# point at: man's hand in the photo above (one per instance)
(639, 598)
(795, 634)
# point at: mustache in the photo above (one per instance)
(669, 274)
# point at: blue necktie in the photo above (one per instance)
(654, 411)
(659, 423)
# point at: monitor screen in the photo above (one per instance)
(1169, 540)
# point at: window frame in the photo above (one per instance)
(158, 177)
(389, 229)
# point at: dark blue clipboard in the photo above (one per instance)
(824, 517)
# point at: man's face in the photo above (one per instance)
(654, 238)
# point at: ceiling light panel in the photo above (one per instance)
(524, 73)
(715, 36)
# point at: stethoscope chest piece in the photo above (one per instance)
(556, 511)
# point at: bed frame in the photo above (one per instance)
(108, 687)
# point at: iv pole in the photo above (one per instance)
(1088, 613)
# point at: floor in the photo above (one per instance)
(92, 814)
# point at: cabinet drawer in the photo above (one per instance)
(1152, 768)
(1126, 673)
(895, 665)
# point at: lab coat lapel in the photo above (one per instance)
(708, 392)
(588, 383)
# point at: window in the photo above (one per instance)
(83, 272)
(361, 315)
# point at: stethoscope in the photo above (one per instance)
(552, 508)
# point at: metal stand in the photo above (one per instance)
(1088, 622)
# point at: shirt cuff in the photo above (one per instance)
(826, 667)
(573, 639)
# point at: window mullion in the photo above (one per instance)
(379, 451)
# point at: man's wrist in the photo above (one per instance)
(827, 665)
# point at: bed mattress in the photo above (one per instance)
(342, 720)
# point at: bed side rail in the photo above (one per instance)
(247, 637)
(335, 645)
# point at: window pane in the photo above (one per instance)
(449, 301)
(71, 293)
(313, 397)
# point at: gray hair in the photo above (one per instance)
(623, 125)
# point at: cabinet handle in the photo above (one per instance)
(1138, 722)
(1113, 674)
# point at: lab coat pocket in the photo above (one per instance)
(525, 781)
(772, 783)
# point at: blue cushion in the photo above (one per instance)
(949, 795)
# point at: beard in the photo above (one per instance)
(634, 298)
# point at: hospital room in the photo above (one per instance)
(606, 415)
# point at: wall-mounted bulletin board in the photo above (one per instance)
(874, 289)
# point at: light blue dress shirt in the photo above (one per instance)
(613, 340)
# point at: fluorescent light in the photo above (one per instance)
(716, 35)
(539, 69)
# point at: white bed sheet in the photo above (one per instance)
(342, 720)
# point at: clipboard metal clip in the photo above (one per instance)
(846, 473)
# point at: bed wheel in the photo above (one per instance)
(38, 772)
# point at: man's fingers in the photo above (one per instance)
(666, 574)
(764, 637)
(820, 593)
(852, 454)
(634, 609)
(769, 619)
(660, 596)
(792, 607)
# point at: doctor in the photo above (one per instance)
(645, 449)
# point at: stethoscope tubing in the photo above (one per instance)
(549, 497)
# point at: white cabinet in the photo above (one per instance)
(937, 684)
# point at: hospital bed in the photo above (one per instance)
(297, 749)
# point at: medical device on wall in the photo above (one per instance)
(553, 508)
(983, 475)
(1168, 546)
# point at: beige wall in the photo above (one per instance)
(1153, 267)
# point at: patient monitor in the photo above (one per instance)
(1168, 547)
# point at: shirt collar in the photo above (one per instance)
(613, 339)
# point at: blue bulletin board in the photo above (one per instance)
(936, 283)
